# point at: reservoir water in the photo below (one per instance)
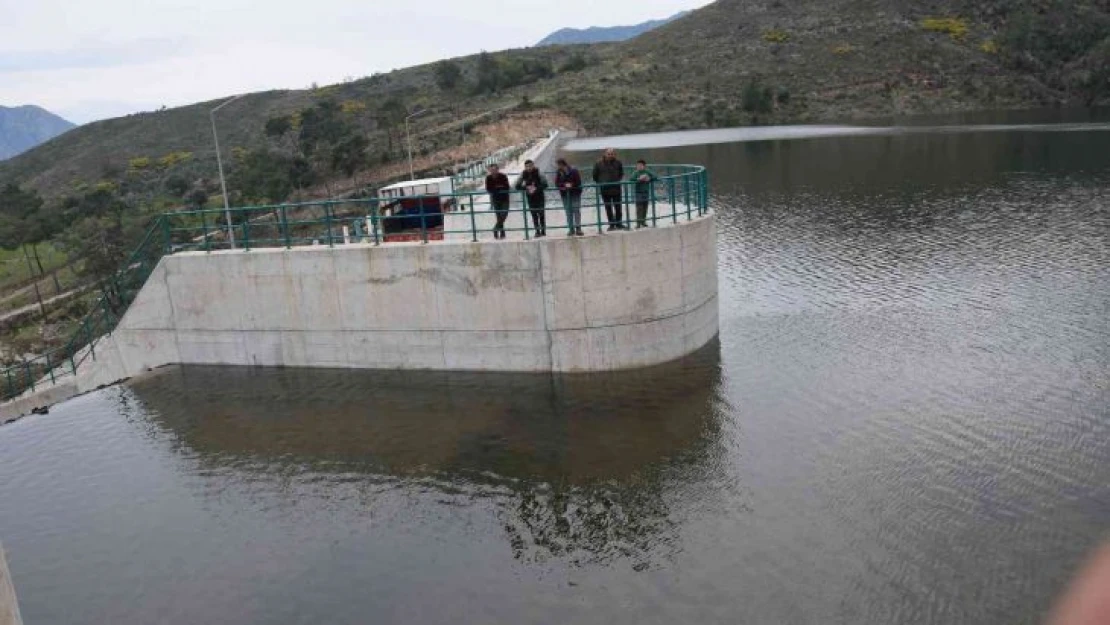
(906, 419)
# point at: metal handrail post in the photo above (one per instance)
(524, 212)
(473, 222)
(626, 214)
(27, 374)
(92, 345)
(423, 222)
(704, 191)
(674, 200)
(700, 181)
(285, 227)
(327, 218)
(686, 191)
(247, 233)
(597, 207)
(654, 214)
(106, 310)
(166, 236)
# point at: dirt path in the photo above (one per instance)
(45, 284)
(34, 306)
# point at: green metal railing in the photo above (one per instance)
(678, 193)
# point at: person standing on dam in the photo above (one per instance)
(608, 174)
(569, 182)
(497, 185)
(534, 183)
(643, 177)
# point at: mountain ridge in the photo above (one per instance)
(601, 34)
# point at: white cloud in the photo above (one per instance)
(109, 57)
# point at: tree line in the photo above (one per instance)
(1065, 43)
(496, 73)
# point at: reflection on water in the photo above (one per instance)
(586, 457)
(579, 428)
(906, 420)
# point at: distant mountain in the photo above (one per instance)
(599, 34)
(24, 127)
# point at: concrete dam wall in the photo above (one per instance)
(575, 304)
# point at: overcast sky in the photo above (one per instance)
(93, 59)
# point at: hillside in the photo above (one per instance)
(599, 34)
(104, 151)
(24, 127)
(734, 62)
(739, 62)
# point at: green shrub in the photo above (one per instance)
(955, 27)
(576, 63)
(757, 99)
(174, 158)
(352, 106)
(175, 185)
(775, 35)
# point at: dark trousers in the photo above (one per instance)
(613, 210)
(501, 208)
(641, 212)
(499, 228)
(539, 219)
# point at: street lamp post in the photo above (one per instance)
(220, 166)
(408, 139)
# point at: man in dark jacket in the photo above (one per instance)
(497, 185)
(608, 173)
(533, 183)
(569, 182)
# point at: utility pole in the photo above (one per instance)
(408, 139)
(220, 166)
(35, 281)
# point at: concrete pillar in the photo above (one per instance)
(9, 608)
